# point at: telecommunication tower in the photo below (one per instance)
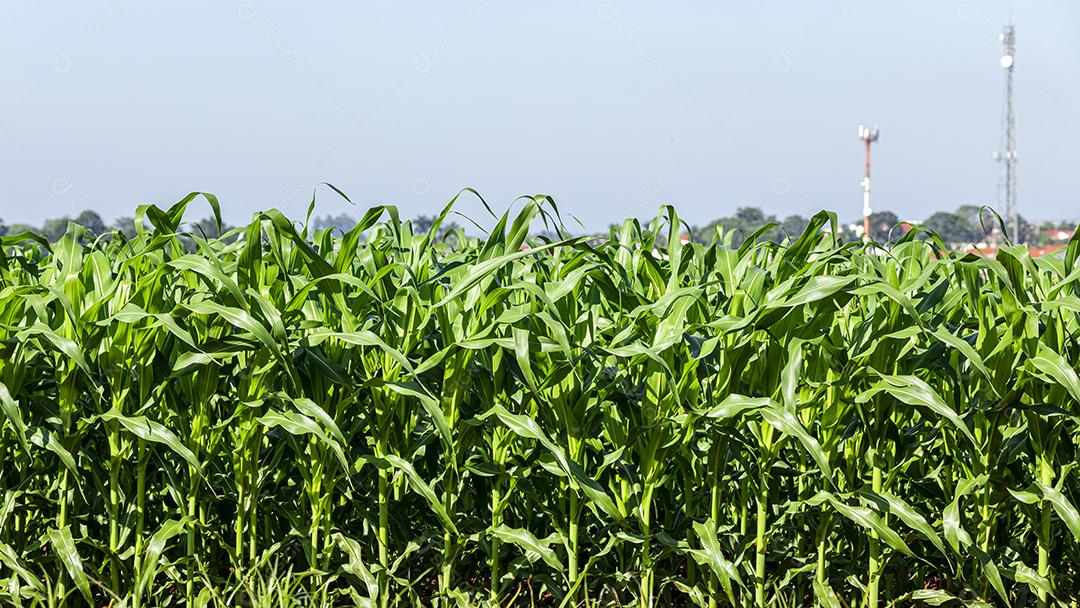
(869, 136)
(1006, 155)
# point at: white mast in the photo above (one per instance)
(1006, 156)
(869, 136)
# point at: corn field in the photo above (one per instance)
(381, 418)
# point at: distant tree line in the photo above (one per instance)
(748, 220)
(968, 224)
(54, 229)
(963, 226)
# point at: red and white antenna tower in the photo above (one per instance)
(869, 136)
(1007, 154)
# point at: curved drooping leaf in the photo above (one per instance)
(298, 424)
(915, 391)
(64, 545)
(1023, 573)
(14, 415)
(1063, 507)
(866, 518)
(1054, 365)
(148, 430)
(168, 530)
(712, 555)
(11, 561)
(45, 438)
(912, 518)
(955, 534)
(825, 595)
(355, 565)
(788, 423)
(417, 483)
(533, 547)
(525, 426)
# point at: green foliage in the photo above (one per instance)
(92, 222)
(342, 222)
(882, 226)
(383, 417)
(125, 225)
(794, 225)
(55, 228)
(745, 222)
(951, 228)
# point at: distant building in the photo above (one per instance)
(990, 251)
(1057, 234)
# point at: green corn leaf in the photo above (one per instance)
(418, 485)
(990, 571)
(897, 506)
(825, 594)
(65, 345)
(480, 271)
(168, 530)
(712, 555)
(1054, 365)
(966, 349)
(64, 545)
(1063, 507)
(532, 546)
(44, 438)
(10, 560)
(148, 430)
(428, 403)
(734, 405)
(14, 415)
(1023, 573)
(788, 423)
(355, 565)
(954, 531)
(298, 424)
(914, 391)
(929, 597)
(817, 288)
(866, 518)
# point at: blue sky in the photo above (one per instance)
(613, 108)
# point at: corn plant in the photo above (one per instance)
(390, 418)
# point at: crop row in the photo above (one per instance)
(386, 418)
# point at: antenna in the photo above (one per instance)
(1006, 156)
(869, 136)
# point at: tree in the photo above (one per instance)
(21, 228)
(207, 228)
(422, 223)
(342, 222)
(752, 217)
(3, 228)
(1027, 231)
(794, 225)
(448, 233)
(882, 224)
(951, 227)
(744, 223)
(125, 225)
(91, 221)
(54, 229)
(980, 221)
